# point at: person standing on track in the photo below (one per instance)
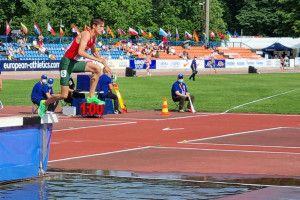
(194, 69)
(69, 63)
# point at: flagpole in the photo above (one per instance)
(207, 22)
(59, 31)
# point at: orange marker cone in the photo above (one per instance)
(165, 110)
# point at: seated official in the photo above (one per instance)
(180, 93)
(40, 91)
(106, 88)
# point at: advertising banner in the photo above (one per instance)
(140, 64)
(29, 65)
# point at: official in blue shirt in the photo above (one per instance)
(180, 93)
(106, 88)
(194, 69)
(40, 91)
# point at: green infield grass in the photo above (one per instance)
(253, 93)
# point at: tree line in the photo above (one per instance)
(275, 18)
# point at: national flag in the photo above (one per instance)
(195, 36)
(50, 29)
(75, 29)
(212, 35)
(132, 32)
(61, 32)
(144, 33)
(229, 34)
(177, 35)
(169, 33)
(187, 35)
(7, 28)
(24, 29)
(37, 29)
(235, 34)
(110, 32)
(221, 36)
(121, 31)
(162, 32)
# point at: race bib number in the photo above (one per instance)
(63, 73)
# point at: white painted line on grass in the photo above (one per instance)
(99, 154)
(269, 97)
(96, 126)
(231, 134)
(228, 150)
(246, 145)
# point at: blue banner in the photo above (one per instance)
(216, 64)
(29, 65)
(22, 152)
(140, 64)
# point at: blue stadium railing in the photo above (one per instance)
(111, 41)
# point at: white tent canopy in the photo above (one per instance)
(260, 43)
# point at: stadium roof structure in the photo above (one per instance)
(263, 42)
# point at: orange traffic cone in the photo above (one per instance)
(165, 110)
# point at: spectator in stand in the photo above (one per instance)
(41, 46)
(194, 69)
(180, 93)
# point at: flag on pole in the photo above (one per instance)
(177, 34)
(133, 32)
(50, 29)
(61, 32)
(162, 33)
(121, 31)
(37, 29)
(110, 32)
(221, 36)
(212, 35)
(187, 35)
(24, 29)
(75, 29)
(7, 28)
(144, 33)
(195, 36)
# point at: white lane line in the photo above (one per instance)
(247, 145)
(84, 127)
(91, 120)
(99, 154)
(171, 118)
(172, 129)
(269, 97)
(231, 134)
(228, 150)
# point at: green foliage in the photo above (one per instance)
(255, 17)
(213, 93)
